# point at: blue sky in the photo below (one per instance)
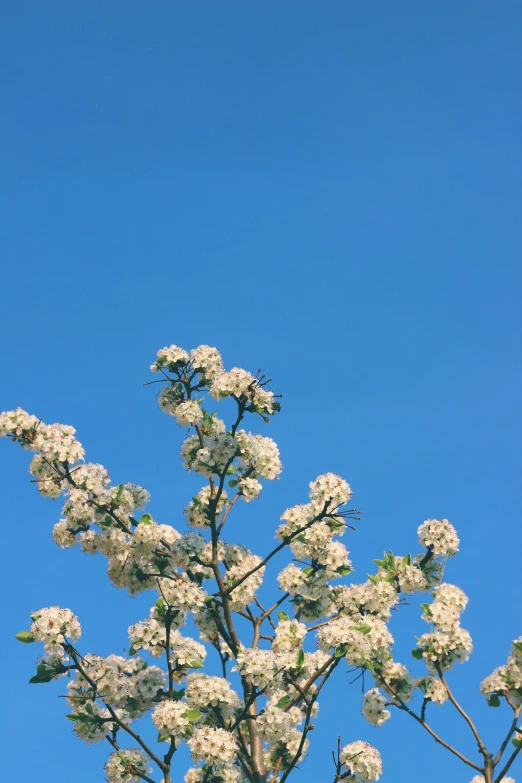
(329, 191)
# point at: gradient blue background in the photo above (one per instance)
(326, 190)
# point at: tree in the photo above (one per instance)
(252, 722)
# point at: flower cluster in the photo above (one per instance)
(448, 642)
(249, 391)
(204, 692)
(170, 718)
(396, 681)
(127, 766)
(289, 636)
(362, 761)
(242, 590)
(441, 649)
(259, 667)
(440, 535)
(329, 492)
(374, 707)
(55, 626)
(367, 598)
(213, 746)
(506, 680)
(433, 689)
(444, 612)
(198, 511)
(360, 639)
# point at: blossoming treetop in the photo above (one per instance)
(252, 722)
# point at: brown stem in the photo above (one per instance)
(306, 728)
(508, 736)
(311, 680)
(482, 747)
(508, 764)
(422, 722)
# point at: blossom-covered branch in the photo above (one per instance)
(252, 721)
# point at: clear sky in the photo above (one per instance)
(328, 190)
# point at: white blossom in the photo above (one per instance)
(290, 635)
(198, 512)
(205, 691)
(368, 597)
(259, 667)
(51, 625)
(213, 746)
(169, 718)
(122, 766)
(244, 593)
(207, 361)
(274, 724)
(186, 651)
(63, 535)
(374, 707)
(242, 385)
(258, 455)
(433, 689)
(294, 519)
(440, 535)
(329, 490)
(362, 760)
(396, 681)
(249, 488)
(170, 358)
(444, 648)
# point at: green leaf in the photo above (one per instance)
(119, 493)
(369, 665)
(364, 628)
(417, 653)
(71, 716)
(145, 519)
(196, 665)
(374, 579)
(340, 651)
(26, 637)
(163, 737)
(282, 616)
(233, 483)
(193, 715)
(344, 570)
(301, 539)
(516, 741)
(493, 700)
(281, 704)
(406, 560)
(380, 563)
(38, 678)
(308, 571)
(300, 658)
(132, 651)
(426, 608)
